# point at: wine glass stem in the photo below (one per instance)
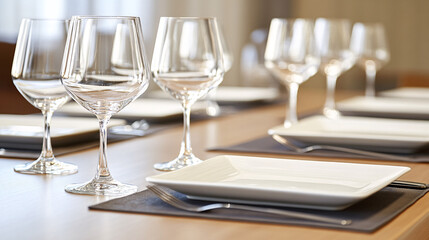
(291, 116)
(186, 149)
(47, 153)
(103, 170)
(370, 81)
(331, 81)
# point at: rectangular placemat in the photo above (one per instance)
(366, 215)
(269, 145)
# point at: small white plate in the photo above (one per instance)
(245, 94)
(232, 95)
(280, 182)
(407, 92)
(386, 107)
(377, 134)
(16, 130)
(143, 108)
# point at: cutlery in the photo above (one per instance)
(283, 141)
(408, 184)
(173, 201)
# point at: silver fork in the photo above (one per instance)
(311, 148)
(173, 201)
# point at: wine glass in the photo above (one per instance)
(212, 108)
(104, 69)
(370, 44)
(36, 74)
(333, 41)
(187, 63)
(291, 55)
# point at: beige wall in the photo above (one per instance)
(237, 17)
(407, 27)
(406, 22)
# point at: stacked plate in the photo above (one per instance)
(26, 131)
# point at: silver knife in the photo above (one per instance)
(408, 184)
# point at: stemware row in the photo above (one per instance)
(104, 68)
(297, 48)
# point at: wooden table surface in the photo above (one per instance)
(37, 207)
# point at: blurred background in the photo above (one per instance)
(245, 23)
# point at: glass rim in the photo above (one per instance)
(334, 19)
(190, 18)
(103, 17)
(45, 19)
(369, 23)
(294, 19)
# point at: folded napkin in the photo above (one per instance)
(269, 145)
(366, 215)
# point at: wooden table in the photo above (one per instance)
(37, 207)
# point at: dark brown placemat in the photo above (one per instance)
(269, 145)
(366, 215)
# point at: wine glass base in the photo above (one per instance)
(331, 113)
(178, 163)
(99, 187)
(212, 108)
(41, 166)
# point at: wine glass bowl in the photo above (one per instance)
(292, 57)
(104, 69)
(187, 63)
(333, 42)
(370, 44)
(212, 107)
(36, 74)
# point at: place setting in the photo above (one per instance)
(279, 191)
(287, 190)
(348, 128)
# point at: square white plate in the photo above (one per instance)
(281, 182)
(377, 134)
(245, 94)
(16, 130)
(407, 92)
(227, 94)
(386, 107)
(143, 108)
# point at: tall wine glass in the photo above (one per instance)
(104, 69)
(212, 108)
(370, 44)
(333, 41)
(187, 63)
(36, 74)
(292, 56)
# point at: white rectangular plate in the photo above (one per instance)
(143, 108)
(281, 182)
(245, 94)
(407, 92)
(378, 134)
(386, 107)
(227, 94)
(16, 130)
